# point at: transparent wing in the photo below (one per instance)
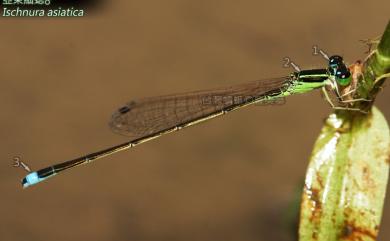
(151, 116)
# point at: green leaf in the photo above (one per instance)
(346, 179)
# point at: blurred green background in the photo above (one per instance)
(230, 179)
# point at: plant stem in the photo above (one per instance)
(375, 66)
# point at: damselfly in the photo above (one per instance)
(149, 118)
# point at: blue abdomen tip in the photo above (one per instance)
(31, 179)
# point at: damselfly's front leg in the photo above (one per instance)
(339, 107)
(352, 100)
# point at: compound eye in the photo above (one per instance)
(343, 76)
(335, 61)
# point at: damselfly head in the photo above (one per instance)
(339, 70)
